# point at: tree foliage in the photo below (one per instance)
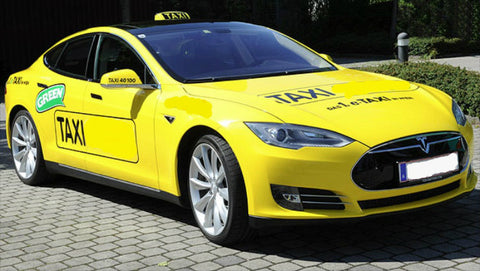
(449, 18)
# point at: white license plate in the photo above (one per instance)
(426, 168)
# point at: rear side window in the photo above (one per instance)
(73, 60)
(52, 56)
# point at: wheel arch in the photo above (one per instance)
(10, 117)
(184, 148)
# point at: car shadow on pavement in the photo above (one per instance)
(445, 232)
(5, 159)
(136, 201)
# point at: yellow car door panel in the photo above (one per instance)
(97, 135)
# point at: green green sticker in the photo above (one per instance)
(50, 97)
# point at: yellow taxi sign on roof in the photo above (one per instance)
(172, 15)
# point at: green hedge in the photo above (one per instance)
(462, 85)
(436, 46)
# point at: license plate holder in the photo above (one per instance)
(426, 169)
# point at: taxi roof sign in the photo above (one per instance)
(172, 15)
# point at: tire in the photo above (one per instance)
(26, 150)
(217, 192)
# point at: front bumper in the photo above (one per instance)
(262, 222)
(330, 169)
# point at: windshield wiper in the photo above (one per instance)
(256, 75)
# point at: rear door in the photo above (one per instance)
(59, 102)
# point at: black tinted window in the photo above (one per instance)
(74, 57)
(116, 55)
(52, 56)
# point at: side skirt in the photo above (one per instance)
(112, 182)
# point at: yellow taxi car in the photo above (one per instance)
(242, 123)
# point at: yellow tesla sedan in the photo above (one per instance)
(242, 123)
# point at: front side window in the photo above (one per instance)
(73, 60)
(116, 55)
(210, 52)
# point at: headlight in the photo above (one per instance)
(457, 112)
(295, 136)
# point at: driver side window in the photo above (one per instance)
(116, 55)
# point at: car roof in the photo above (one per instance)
(176, 25)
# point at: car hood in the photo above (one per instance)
(367, 107)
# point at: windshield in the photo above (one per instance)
(225, 51)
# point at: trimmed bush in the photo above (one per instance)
(462, 85)
(435, 46)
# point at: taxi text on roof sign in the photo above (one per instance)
(172, 15)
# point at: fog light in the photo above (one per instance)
(287, 197)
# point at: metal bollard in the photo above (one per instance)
(402, 44)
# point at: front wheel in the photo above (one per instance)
(217, 192)
(26, 150)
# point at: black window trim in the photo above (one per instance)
(65, 46)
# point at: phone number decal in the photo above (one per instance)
(364, 101)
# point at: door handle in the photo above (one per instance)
(40, 85)
(96, 96)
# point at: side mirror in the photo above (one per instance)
(327, 57)
(124, 78)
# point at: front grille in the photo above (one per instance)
(378, 168)
(320, 199)
(377, 203)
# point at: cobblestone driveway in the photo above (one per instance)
(77, 225)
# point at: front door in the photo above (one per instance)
(119, 122)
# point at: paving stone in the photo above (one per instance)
(52, 266)
(129, 266)
(388, 265)
(229, 260)
(365, 267)
(28, 264)
(468, 266)
(177, 254)
(285, 266)
(335, 266)
(128, 257)
(4, 262)
(441, 264)
(234, 268)
(103, 255)
(202, 257)
(256, 264)
(103, 263)
(313, 268)
(154, 260)
(55, 258)
(206, 266)
(180, 263)
(80, 252)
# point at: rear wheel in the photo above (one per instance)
(26, 150)
(217, 193)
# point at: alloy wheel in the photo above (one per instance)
(209, 189)
(24, 147)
